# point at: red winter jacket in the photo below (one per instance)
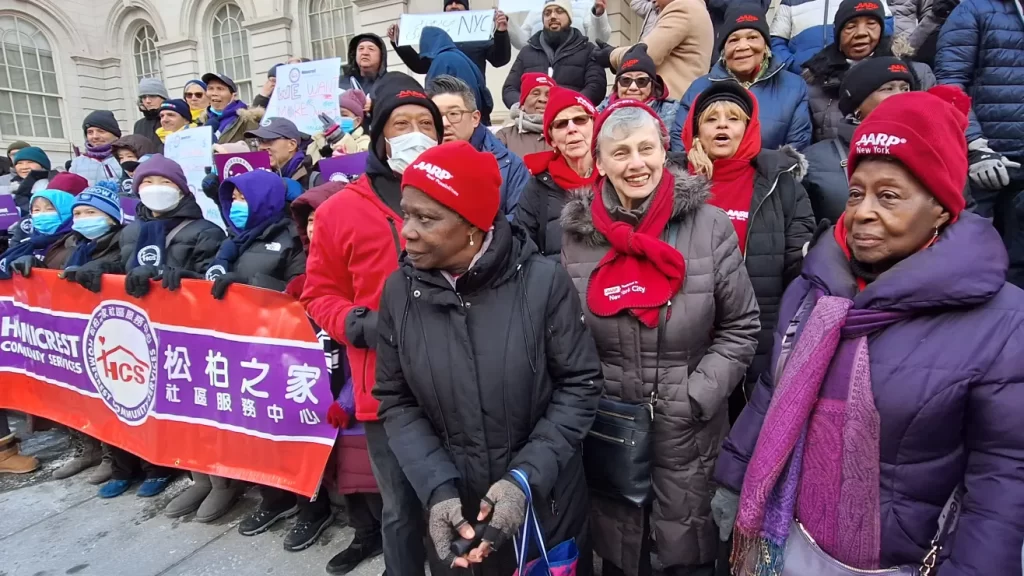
(356, 247)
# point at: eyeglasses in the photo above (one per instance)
(563, 123)
(455, 116)
(195, 95)
(641, 83)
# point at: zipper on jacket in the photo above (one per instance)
(614, 415)
(394, 236)
(608, 438)
(750, 219)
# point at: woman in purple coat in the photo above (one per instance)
(899, 374)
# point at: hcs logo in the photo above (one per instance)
(121, 358)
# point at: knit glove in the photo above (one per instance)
(505, 504)
(724, 507)
(136, 282)
(24, 265)
(90, 276)
(337, 417)
(444, 521)
(603, 54)
(988, 168)
(332, 132)
(211, 185)
(220, 285)
(172, 277)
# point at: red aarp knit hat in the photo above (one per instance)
(532, 80)
(619, 105)
(925, 132)
(559, 99)
(464, 180)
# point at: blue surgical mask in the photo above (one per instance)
(347, 125)
(239, 214)
(46, 223)
(92, 227)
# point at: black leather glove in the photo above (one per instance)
(603, 54)
(172, 277)
(211, 185)
(90, 276)
(24, 265)
(221, 283)
(942, 8)
(136, 283)
(361, 328)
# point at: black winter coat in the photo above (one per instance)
(538, 212)
(274, 259)
(192, 248)
(571, 66)
(495, 374)
(147, 125)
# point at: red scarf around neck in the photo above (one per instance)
(640, 272)
(556, 165)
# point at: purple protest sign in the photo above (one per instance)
(231, 165)
(9, 214)
(345, 168)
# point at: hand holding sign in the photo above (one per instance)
(393, 33)
(500, 21)
(599, 7)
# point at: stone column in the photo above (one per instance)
(270, 42)
(181, 63)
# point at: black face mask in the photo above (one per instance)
(556, 39)
(130, 165)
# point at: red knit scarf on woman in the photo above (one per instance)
(640, 272)
(556, 165)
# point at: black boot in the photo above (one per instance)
(360, 549)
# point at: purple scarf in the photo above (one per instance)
(221, 121)
(99, 153)
(817, 457)
(294, 163)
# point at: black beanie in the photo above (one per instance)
(396, 89)
(102, 119)
(869, 75)
(722, 90)
(743, 16)
(464, 3)
(851, 9)
(637, 60)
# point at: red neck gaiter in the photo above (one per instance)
(555, 164)
(640, 272)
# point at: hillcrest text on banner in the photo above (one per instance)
(237, 388)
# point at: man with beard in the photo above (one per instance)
(367, 62)
(356, 247)
(560, 51)
(526, 135)
(152, 93)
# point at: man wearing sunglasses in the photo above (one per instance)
(195, 95)
(462, 121)
(637, 79)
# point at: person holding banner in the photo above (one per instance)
(356, 246)
(526, 134)
(229, 117)
(561, 52)
(51, 219)
(98, 162)
(488, 330)
(367, 63)
(455, 100)
(497, 50)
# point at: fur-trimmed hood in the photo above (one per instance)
(691, 192)
(786, 159)
(252, 113)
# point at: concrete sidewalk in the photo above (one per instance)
(51, 528)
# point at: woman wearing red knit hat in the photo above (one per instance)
(898, 385)
(485, 375)
(560, 173)
(669, 302)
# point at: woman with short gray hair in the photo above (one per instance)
(673, 313)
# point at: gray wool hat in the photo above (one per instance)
(153, 87)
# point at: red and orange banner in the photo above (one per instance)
(236, 388)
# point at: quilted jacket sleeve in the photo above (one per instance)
(799, 134)
(575, 371)
(782, 32)
(906, 14)
(956, 55)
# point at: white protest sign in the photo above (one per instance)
(513, 6)
(303, 91)
(462, 26)
(193, 150)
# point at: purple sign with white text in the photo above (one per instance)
(231, 165)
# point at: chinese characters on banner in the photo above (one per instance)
(305, 90)
(236, 388)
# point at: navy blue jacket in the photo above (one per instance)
(781, 98)
(981, 49)
(446, 59)
(514, 174)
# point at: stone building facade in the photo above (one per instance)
(61, 59)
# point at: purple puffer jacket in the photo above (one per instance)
(949, 387)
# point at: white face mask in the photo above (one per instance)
(406, 148)
(160, 197)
